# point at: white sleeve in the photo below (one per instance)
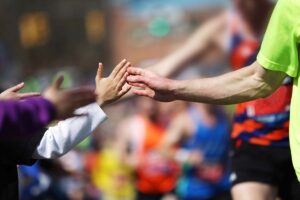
(60, 139)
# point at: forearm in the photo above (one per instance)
(196, 46)
(239, 86)
(174, 62)
(60, 139)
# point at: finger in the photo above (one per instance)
(29, 94)
(58, 82)
(139, 85)
(16, 88)
(122, 82)
(125, 89)
(122, 72)
(137, 79)
(145, 93)
(135, 71)
(99, 71)
(118, 68)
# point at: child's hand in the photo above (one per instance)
(13, 93)
(114, 86)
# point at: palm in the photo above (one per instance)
(113, 87)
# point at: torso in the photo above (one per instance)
(263, 121)
(155, 174)
(211, 141)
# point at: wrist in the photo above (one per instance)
(175, 87)
(100, 102)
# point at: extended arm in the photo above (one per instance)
(60, 139)
(243, 85)
(177, 130)
(196, 46)
(247, 84)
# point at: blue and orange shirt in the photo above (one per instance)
(263, 121)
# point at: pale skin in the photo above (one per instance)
(66, 101)
(113, 87)
(13, 93)
(248, 84)
(243, 85)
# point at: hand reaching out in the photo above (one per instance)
(150, 84)
(13, 93)
(114, 86)
(67, 101)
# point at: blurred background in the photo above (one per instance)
(122, 160)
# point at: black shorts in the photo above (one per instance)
(264, 164)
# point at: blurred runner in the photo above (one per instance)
(156, 176)
(202, 132)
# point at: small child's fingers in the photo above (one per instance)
(118, 68)
(122, 72)
(29, 94)
(16, 88)
(122, 82)
(125, 89)
(139, 85)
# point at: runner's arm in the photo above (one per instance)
(177, 130)
(242, 85)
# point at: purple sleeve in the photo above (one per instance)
(23, 118)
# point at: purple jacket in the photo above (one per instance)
(26, 117)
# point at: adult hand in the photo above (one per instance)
(150, 84)
(114, 86)
(13, 93)
(67, 101)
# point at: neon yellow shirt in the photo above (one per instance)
(280, 52)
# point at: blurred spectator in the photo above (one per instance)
(111, 176)
(202, 132)
(103, 173)
(141, 137)
(62, 179)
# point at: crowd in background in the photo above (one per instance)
(146, 150)
(137, 155)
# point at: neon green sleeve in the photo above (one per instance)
(279, 50)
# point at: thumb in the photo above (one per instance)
(99, 71)
(58, 82)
